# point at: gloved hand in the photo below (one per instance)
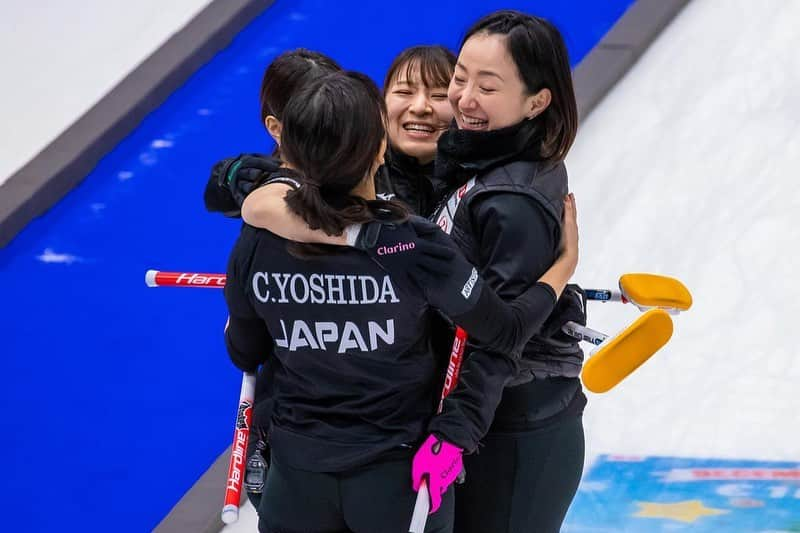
(570, 307)
(420, 250)
(233, 179)
(440, 463)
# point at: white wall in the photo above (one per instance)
(58, 58)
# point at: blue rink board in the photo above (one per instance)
(653, 494)
(116, 397)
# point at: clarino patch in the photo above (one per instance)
(396, 249)
(466, 291)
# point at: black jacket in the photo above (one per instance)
(356, 376)
(232, 179)
(400, 178)
(504, 211)
(403, 178)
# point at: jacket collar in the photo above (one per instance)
(463, 153)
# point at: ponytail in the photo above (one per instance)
(325, 212)
(333, 132)
(332, 211)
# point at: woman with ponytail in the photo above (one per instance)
(233, 178)
(347, 329)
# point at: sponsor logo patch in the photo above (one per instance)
(466, 291)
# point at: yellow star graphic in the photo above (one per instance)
(688, 511)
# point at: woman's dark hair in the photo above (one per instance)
(289, 72)
(540, 54)
(435, 63)
(332, 132)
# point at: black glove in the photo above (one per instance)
(571, 307)
(420, 250)
(233, 179)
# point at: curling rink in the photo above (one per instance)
(119, 397)
(688, 168)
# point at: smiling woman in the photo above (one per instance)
(415, 90)
(418, 112)
(516, 119)
(487, 91)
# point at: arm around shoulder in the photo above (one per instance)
(266, 208)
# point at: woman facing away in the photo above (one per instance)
(356, 382)
(415, 90)
(231, 179)
(502, 163)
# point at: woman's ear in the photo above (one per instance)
(538, 102)
(381, 159)
(274, 128)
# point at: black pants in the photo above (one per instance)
(522, 481)
(376, 498)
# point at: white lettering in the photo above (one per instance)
(301, 337)
(299, 288)
(238, 460)
(317, 289)
(326, 332)
(451, 364)
(353, 294)
(351, 338)
(264, 298)
(388, 290)
(375, 331)
(466, 290)
(364, 290)
(337, 289)
(304, 284)
(282, 286)
(283, 343)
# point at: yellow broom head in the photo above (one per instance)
(619, 355)
(653, 290)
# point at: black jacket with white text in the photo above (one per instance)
(357, 376)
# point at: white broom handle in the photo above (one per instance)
(583, 333)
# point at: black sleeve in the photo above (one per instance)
(517, 243)
(247, 339)
(517, 246)
(232, 179)
(503, 327)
